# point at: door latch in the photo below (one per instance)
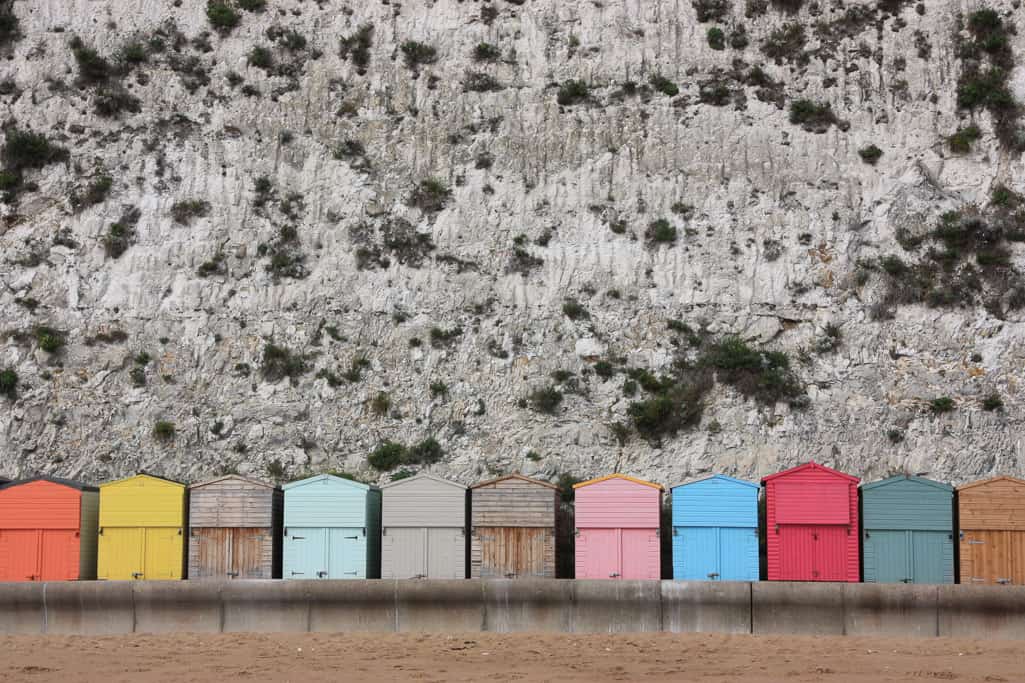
(136, 575)
(1004, 581)
(713, 575)
(614, 575)
(232, 574)
(321, 575)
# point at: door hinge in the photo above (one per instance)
(351, 538)
(658, 532)
(179, 531)
(576, 533)
(676, 531)
(868, 535)
(364, 532)
(100, 532)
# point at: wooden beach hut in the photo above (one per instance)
(513, 521)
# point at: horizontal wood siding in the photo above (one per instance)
(907, 504)
(423, 502)
(142, 501)
(326, 502)
(231, 503)
(997, 505)
(519, 505)
(617, 504)
(715, 502)
(40, 505)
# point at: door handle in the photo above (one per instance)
(298, 573)
(232, 574)
(1004, 581)
(136, 575)
(321, 575)
(298, 538)
(613, 575)
(713, 575)
(351, 538)
(510, 575)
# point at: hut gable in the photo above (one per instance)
(617, 501)
(142, 501)
(812, 494)
(514, 501)
(716, 501)
(997, 503)
(41, 503)
(424, 501)
(906, 502)
(232, 501)
(326, 501)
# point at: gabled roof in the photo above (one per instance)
(234, 477)
(53, 480)
(331, 477)
(148, 476)
(991, 480)
(618, 476)
(719, 476)
(422, 476)
(907, 477)
(811, 465)
(516, 476)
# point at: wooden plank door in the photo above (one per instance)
(512, 552)
(930, 557)
(406, 550)
(58, 555)
(993, 557)
(830, 553)
(639, 554)
(598, 554)
(121, 553)
(346, 554)
(19, 555)
(305, 553)
(163, 554)
(213, 547)
(247, 554)
(446, 554)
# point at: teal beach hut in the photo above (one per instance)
(907, 531)
(332, 529)
(715, 530)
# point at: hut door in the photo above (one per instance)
(407, 552)
(830, 553)
(305, 553)
(19, 555)
(445, 553)
(930, 561)
(995, 557)
(738, 554)
(639, 554)
(346, 554)
(58, 555)
(121, 553)
(512, 552)
(890, 555)
(163, 554)
(699, 552)
(599, 553)
(214, 547)
(247, 554)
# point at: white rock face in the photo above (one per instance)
(778, 220)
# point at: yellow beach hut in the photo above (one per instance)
(142, 523)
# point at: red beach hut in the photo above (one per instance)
(617, 520)
(811, 531)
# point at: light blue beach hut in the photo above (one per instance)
(715, 530)
(332, 529)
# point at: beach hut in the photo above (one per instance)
(811, 515)
(991, 515)
(423, 534)
(142, 527)
(332, 529)
(617, 522)
(513, 520)
(907, 531)
(48, 530)
(715, 530)
(234, 529)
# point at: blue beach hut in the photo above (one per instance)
(332, 529)
(715, 530)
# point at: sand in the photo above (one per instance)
(492, 657)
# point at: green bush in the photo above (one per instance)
(10, 30)
(664, 85)
(252, 5)
(660, 231)
(380, 404)
(221, 16)
(49, 339)
(184, 211)
(678, 407)
(387, 456)
(961, 141)
(944, 404)
(478, 81)
(357, 47)
(415, 53)
(280, 362)
(604, 369)
(545, 400)
(9, 383)
(574, 310)
(426, 452)
(356, 367)
(438, 389)
(765, 376)
(92, 68)
(441, 338)
(486, 52)
(573, 92)
(812, 115)
(25, 149)
(164, 431)
(870, 155)
(710, 10)
(430, 195)
(716, 38)
(993, 402)
(261, 57)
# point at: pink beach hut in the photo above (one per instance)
(617, 521)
